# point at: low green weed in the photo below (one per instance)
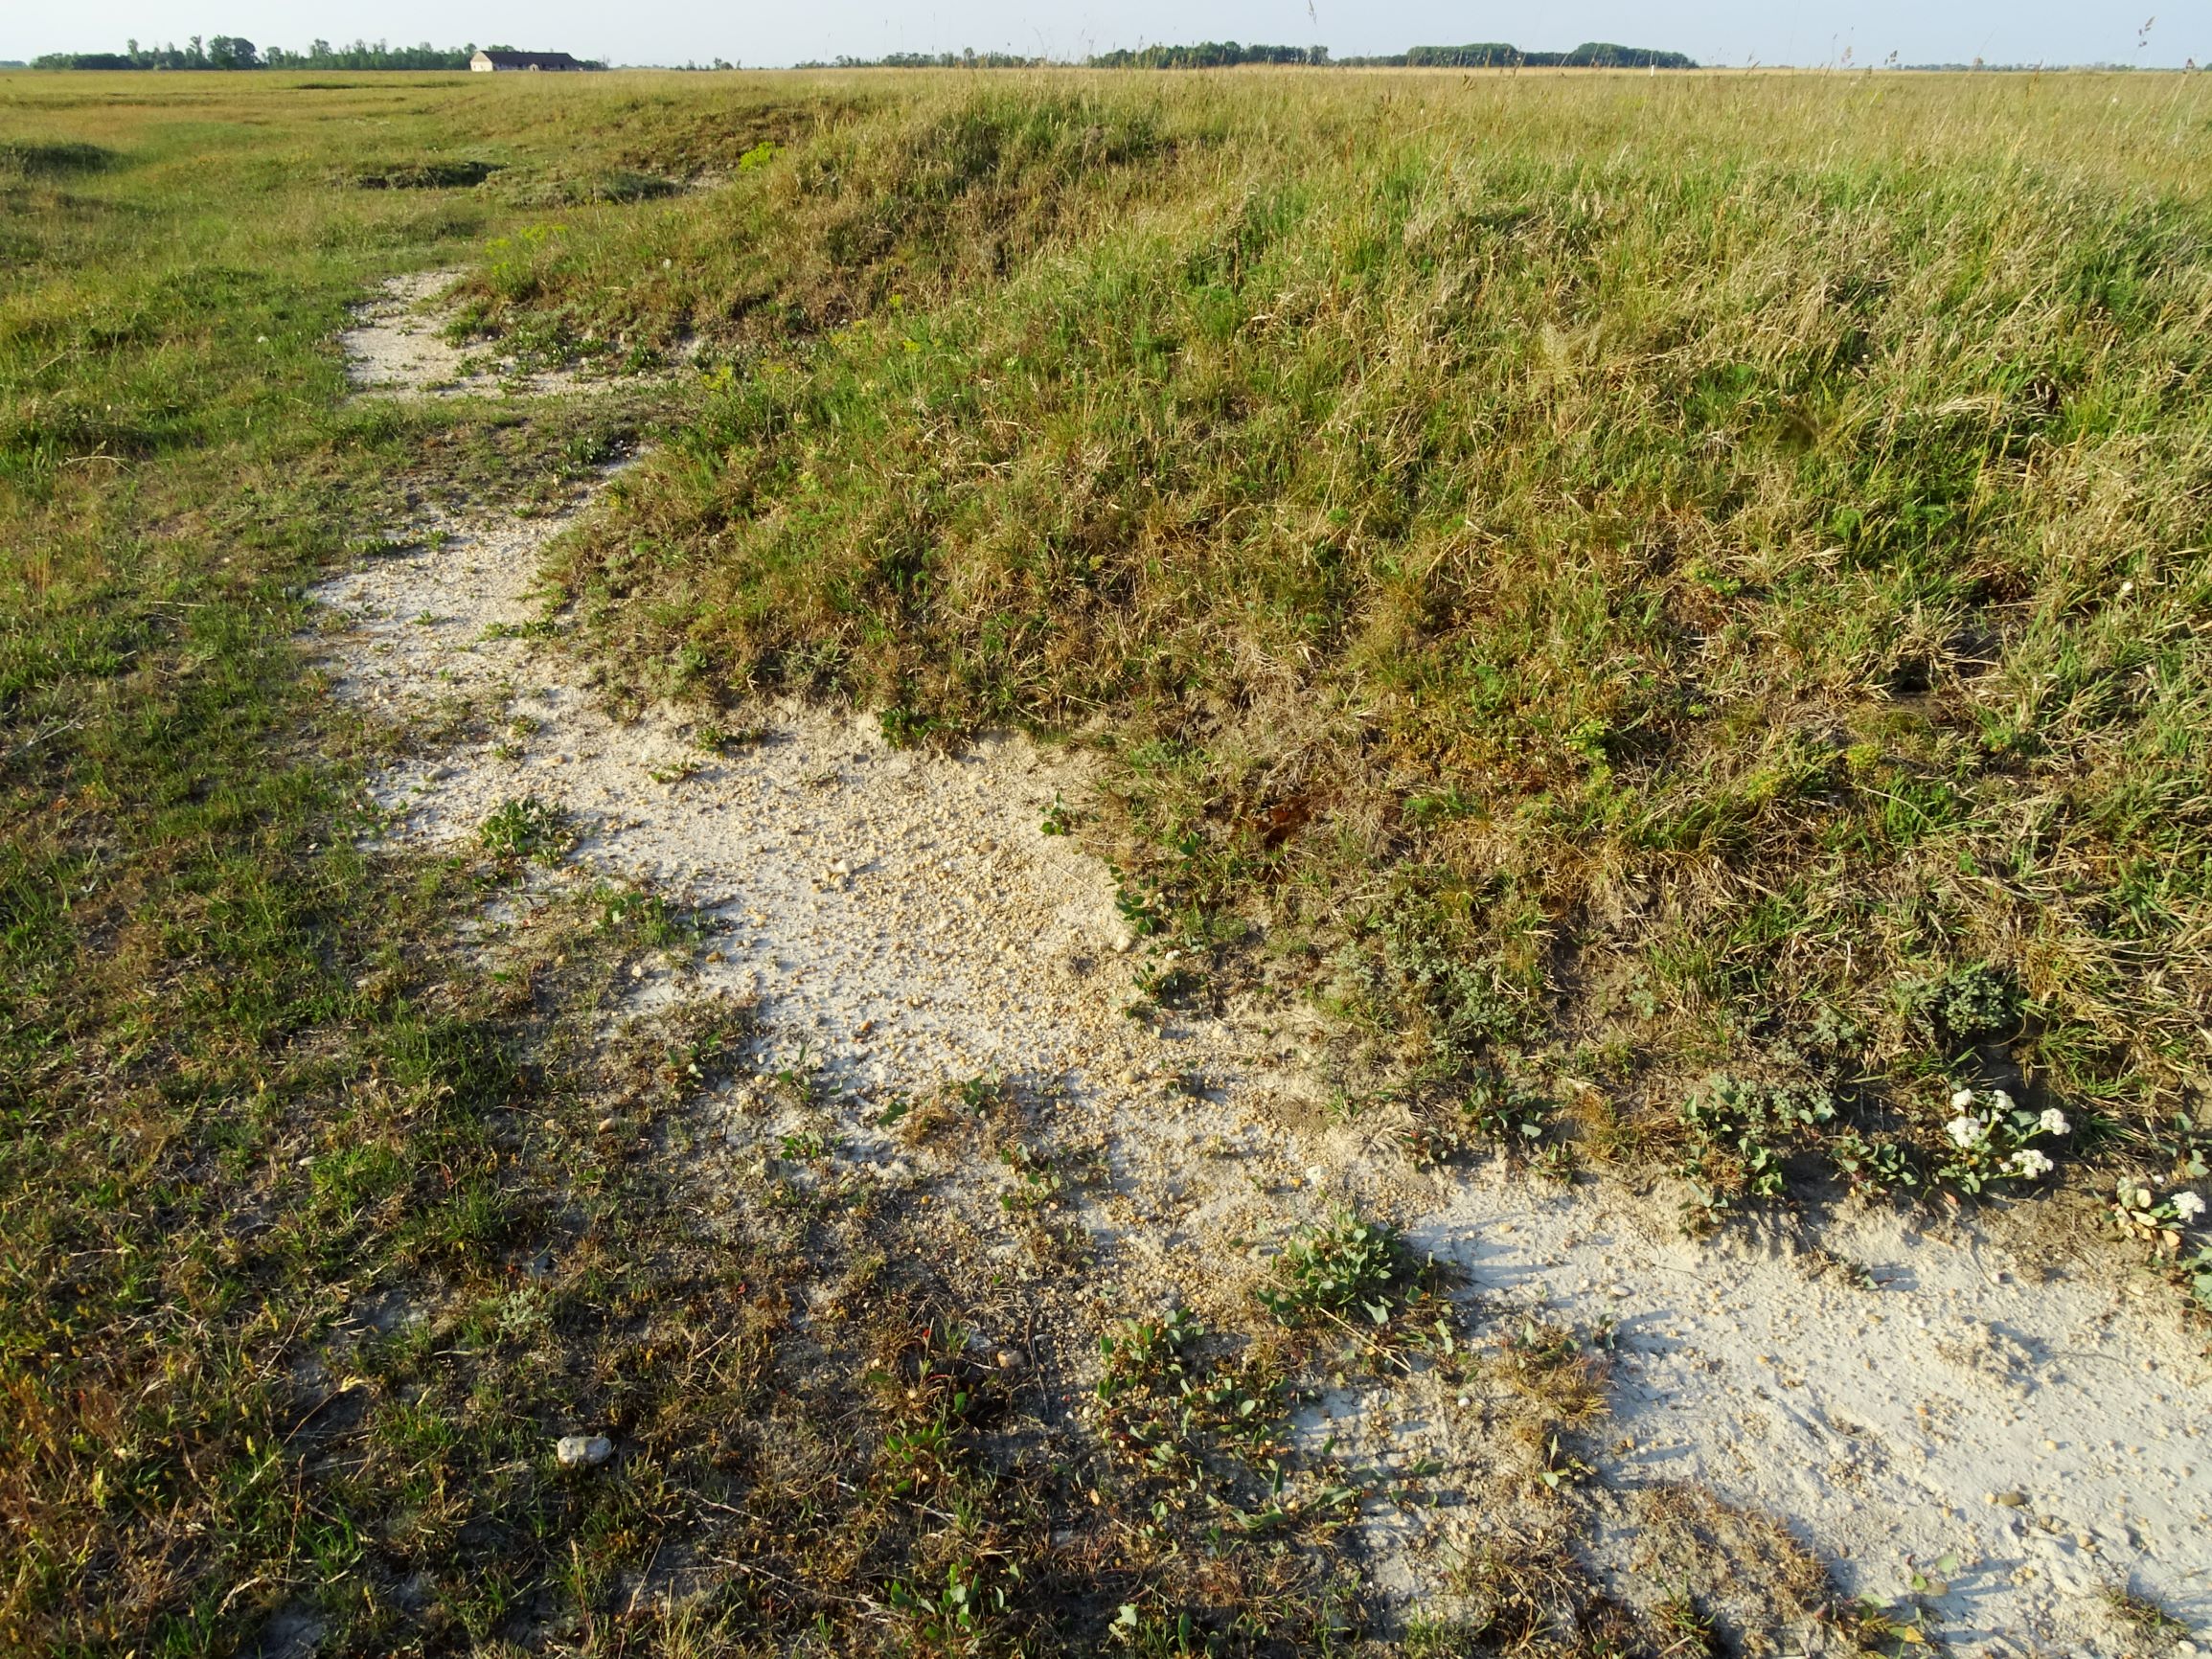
(2144, 1618)
(527, 829)
(717, 739)
(647, 916)
(1202, 1433)
(1345, 1267)
(1740, 1136)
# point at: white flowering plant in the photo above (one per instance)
(1991, 1138)
(2162, 1222)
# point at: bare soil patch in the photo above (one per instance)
(398, 348)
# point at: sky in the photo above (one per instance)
(1719, 31)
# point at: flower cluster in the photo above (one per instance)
(1992, 1136)
(2142, 1212)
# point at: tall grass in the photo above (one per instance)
(241, 1090)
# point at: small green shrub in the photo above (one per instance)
(1345, 1267)
(528, 829)
(1967, 1005)
(553, 187)
(34, 159)
(423, 175)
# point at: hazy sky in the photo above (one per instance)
(670, 32)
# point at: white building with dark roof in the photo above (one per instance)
(494, 61)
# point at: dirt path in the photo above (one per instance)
(906, 922)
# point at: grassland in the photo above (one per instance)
(1609, 582)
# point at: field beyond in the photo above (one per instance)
(1671, 611)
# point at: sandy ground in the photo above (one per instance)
(906, 922)
(395, 350)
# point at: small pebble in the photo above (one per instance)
(583, 1451)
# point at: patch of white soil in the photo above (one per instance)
(397, 347)
(1901, 1396)
(2023, 1439)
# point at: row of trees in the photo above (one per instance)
(1225, 54)
(968, 59)
(1208, 55)
(235, 52)
(1497, 54)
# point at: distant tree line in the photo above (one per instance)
(1225, 54)
(1498, 54)
(235, 52)
(968, 59)
(1207, 55)
(223, 52)
(322, 55)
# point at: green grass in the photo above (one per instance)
(1599, 608)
